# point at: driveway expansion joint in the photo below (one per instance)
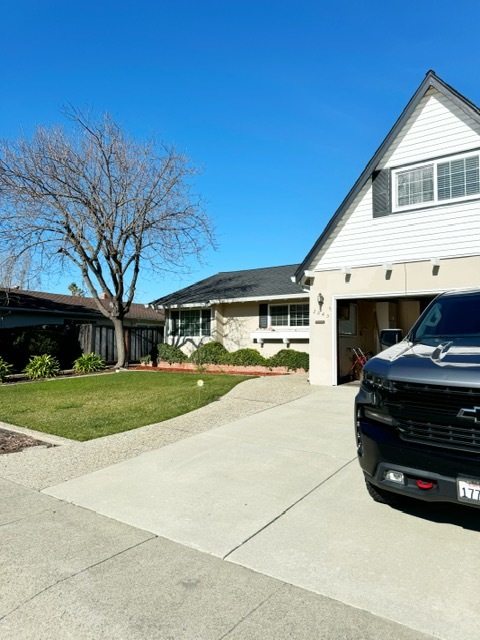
(289, 508)
(73, 575)
(252, 611)
(29, 515)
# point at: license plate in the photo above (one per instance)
(468, 490)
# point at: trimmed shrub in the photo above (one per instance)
(44, 366)
(209, 353)
(89, 363)
(170, 353)
(291, 359)
(245, 358)
(5, 369)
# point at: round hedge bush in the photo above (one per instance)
(170, 353)
(245, 358)
(209, 353)
(291, 359)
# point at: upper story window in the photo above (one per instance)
(436, 182)
(289, 315)
(190, 322)
(415, 186)
(458, 178)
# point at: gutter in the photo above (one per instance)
(209, 303)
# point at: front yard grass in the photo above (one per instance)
(100, 405)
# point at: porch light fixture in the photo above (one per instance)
(320, 300)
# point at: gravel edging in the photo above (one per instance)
(40, 468)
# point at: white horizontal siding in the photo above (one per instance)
(436, 127)
(361, 240)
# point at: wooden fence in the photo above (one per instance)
(101, 340)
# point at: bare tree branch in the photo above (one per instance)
(103, 201)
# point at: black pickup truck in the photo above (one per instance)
(418, 409)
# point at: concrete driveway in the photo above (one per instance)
(280, 492)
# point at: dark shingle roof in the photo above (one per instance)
(58, 304)
(236, 285)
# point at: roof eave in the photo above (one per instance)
(209, 303)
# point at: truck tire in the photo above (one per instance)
(382, 496)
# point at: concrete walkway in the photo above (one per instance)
(278, 538)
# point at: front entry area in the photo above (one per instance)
(359, 322)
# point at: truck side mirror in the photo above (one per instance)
(389, 337)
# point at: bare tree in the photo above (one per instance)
(16, 271)
(110, 205)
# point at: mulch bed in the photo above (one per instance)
(12, 442)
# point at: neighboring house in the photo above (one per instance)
(143, 325)
(408, 229)
(257, 308)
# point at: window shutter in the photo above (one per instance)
(382, 202)
(263, 316)
(174, 323)
(206, 322)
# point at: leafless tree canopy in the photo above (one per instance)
(107, 203)
(16, 271)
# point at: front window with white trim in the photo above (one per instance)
(289, 315)
(437, 182)
(190, 322)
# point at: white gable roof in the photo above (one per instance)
(436, 121)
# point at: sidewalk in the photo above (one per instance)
(69, 573)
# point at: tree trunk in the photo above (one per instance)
(120, 342)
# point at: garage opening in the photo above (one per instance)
(359, 322)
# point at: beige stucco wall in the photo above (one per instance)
(406, 279)
(235, 322)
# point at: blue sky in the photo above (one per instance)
(282, 103)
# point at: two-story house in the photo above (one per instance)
(408, 229)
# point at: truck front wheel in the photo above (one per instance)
(382, 496)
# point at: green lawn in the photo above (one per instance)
(95, 406)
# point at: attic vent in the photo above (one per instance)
(382, 204)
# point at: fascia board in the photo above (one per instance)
(202, 305)
(52, 312)
(285, 296)
(190, 305)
